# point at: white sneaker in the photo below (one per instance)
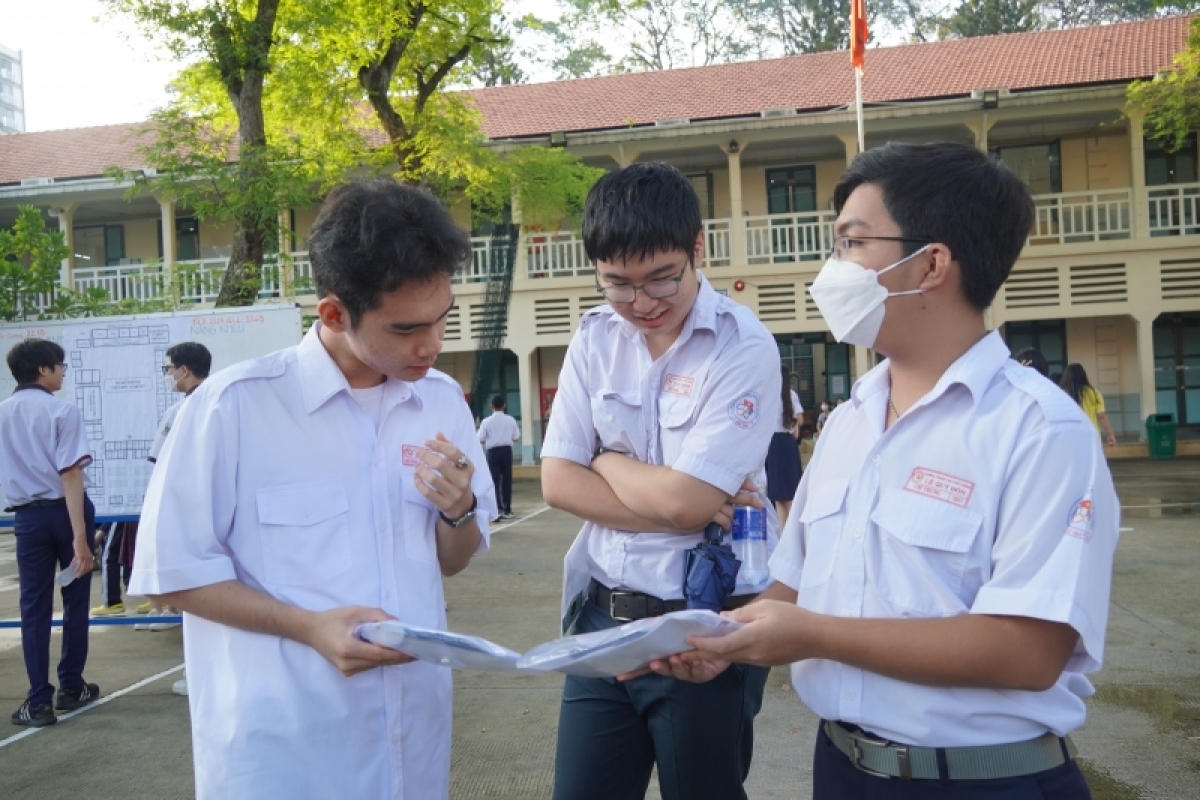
(165, 626)
(144, 623)
(180, 686)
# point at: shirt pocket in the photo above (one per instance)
(617, 416)
(822, 517)
(420, 527)
(305, 533)
(924, 547)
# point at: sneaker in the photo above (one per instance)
(506, 515)
(144, 625)
(165, 626)
(71, 699)
(115, 610)
(34, 716)
(180, 687)
(145, 608)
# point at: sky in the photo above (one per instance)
(83, 68)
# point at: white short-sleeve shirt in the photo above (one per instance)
(41, 437)
(498, 430)
(164, 427)
(990, 496)
(275, 476)
(707, 408)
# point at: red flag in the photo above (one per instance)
(858, 31)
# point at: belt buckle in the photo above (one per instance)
(612, 605)
(856, 754)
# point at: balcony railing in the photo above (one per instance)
(555, 254)
(1073, 217)
(1175, 210)
(718, 244)
(782, 238)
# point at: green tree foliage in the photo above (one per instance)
(990, 17)
(805, 26)
(30, 257)
(1171, 100)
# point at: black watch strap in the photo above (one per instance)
(465, 518)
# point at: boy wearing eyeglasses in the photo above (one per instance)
(666, 404)
(43, 454)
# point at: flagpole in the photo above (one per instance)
(858, 107)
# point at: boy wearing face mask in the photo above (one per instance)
(943, 585)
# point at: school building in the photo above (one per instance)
(1110, 277)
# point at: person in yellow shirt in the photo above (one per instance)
(1075, 383)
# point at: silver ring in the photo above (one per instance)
(461, 462)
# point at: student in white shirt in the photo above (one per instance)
(944, 585)
(679, 388)
(304, 493)
(43, 455)
(497, 434)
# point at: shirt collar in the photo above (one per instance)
(974, 369)
(25, 386)
(321, 378)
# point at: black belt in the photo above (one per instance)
(58, 501)
(626, 606)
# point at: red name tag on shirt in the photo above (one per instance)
(411, 455)
(678, 384)
(940, 486)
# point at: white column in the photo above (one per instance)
(737, 219)
(530, 401)
(66, 225)
(1145, 346)
(168, 233)
(850, 142)
(980, 130)
(1140, 218)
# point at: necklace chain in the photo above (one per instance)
(892, 406)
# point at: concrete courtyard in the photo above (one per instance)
(1142, 739)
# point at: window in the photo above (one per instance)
(99, 245)
(1047, 335)
(702, 182)
(187, 239)
(1039, 166)
(1165, 167)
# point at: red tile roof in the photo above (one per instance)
(1040, 60)
(1043, 59)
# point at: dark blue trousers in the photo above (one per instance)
(500, 461)
(611, 734)
(835, 778)
(44, 539)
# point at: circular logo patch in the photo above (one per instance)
(744, 411)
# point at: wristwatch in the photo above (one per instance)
(465, 518)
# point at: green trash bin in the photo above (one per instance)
(1160, 433)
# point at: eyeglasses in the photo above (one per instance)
(64, 366)
(627, 293)
(842, 245)
(168, 368)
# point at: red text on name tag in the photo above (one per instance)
(411, 455)
(678, 384)
(940, 486)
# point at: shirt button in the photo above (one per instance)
(851, 695)
(878, 459)
(858, 532)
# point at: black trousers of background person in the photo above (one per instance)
(500, 465)
(110, 592)
(836, 778)
(44, 546)
(611, 734)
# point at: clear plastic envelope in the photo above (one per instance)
(443, 648)
(604, 654)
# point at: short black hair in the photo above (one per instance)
(1036, 360)
(641, 210)
(373, 236)
(28, 356)
(192, 355)
(953, 194)
(498, 402)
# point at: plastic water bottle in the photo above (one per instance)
(66, 576)
(750, 543)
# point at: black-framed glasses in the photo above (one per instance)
(64, 366)
(658, 289)
(167, 368)
(842, 244)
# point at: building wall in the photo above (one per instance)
(141, 239)
(1106, 347)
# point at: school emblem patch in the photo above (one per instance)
(1079, 524)
(744, 411)
(410, 455)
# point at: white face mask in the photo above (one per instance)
(169, 382)
(850, 298)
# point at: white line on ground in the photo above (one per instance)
(522, 519)
(90, 706)
(1163, 505)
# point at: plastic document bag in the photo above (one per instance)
(443, 648)
(604, 654)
